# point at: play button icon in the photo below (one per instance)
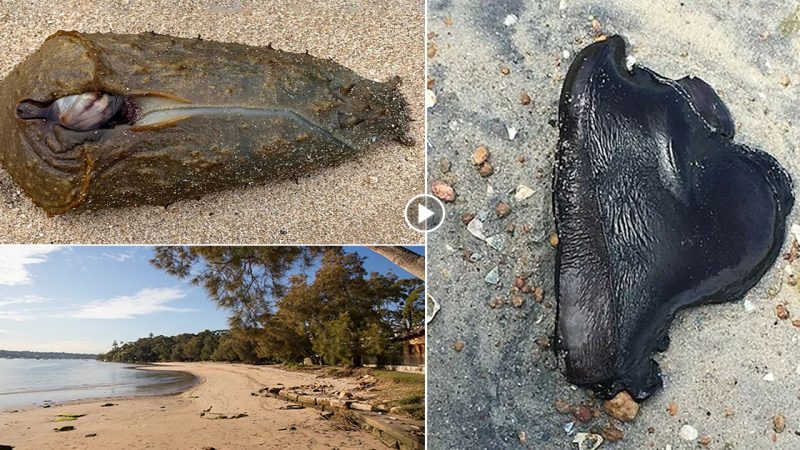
(424, 213)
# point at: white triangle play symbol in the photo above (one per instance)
(423, 214)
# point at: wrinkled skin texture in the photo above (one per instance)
(656, 209)
(321, 115)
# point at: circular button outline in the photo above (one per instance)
(422, 230)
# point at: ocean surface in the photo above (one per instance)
(27, 382)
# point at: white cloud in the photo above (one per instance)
(144, 302)
(15, 259)
(15, 316)
(118, 257)
(24, 300)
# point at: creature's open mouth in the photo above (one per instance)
(97, 110)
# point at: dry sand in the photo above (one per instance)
(359, 202)
(174, 422)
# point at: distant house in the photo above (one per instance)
(413, 347)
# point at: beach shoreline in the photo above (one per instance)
(161, 389)
(178, 420)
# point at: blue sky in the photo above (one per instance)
(80, 299)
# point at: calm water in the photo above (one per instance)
(24, 382)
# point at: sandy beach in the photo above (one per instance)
(174, 422)
(361, 201)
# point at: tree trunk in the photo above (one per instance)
(404, 258)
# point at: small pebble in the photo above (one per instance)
(525, 99)
(688, 433)
(522, 192)
(622, 407)
(480, 155)
(672, 408)
(553, 239)
(496, 302)
(467, 217)
(517, 300)
(458, 346)
(430, 98)
(505, 70)
(493, 277)
(728, 412)
(510, 20)
(769, 377)
(502, 209)
(475, 227)
(538, 294)
(486, 169)
(496, 242)
(796, 323)
(609, 433)
(781, 311)
(704, 441)
(583, 414)
(562, 406)
(779, 423)
(443, 191)
(444, 166)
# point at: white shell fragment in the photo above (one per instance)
(588, 441)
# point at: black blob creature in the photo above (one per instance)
(656, 209)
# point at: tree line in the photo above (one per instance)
(12, 354)
(286, 304)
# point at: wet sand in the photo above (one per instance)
(174, 422)
(361, 201)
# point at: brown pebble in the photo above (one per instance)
(796, 322)
(543, 342)
(444, 166)
(525, 99)
(583, 414)
(651, 430)
(517, 300)
(704, 441)
(521, 158)
(538, 294)
(519, 282)
(728, 412)
(609, 433)
(496, 302)
(448, 21)
(467, 217)
(443, 191)
(785, 80)
(486, 169)
(458, 346)
(779, 423)
(672, 408)
(510, 228)
(502, 209)
(505, 70)
(781, 311)
(431, 49)
(563, 406)
(523, 437)
(553, 239)
(622, 407)
(431, 83)
(774, 437)
(791, 280)
(480, 155)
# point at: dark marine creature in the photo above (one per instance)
(93, 121)
(656, 209)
